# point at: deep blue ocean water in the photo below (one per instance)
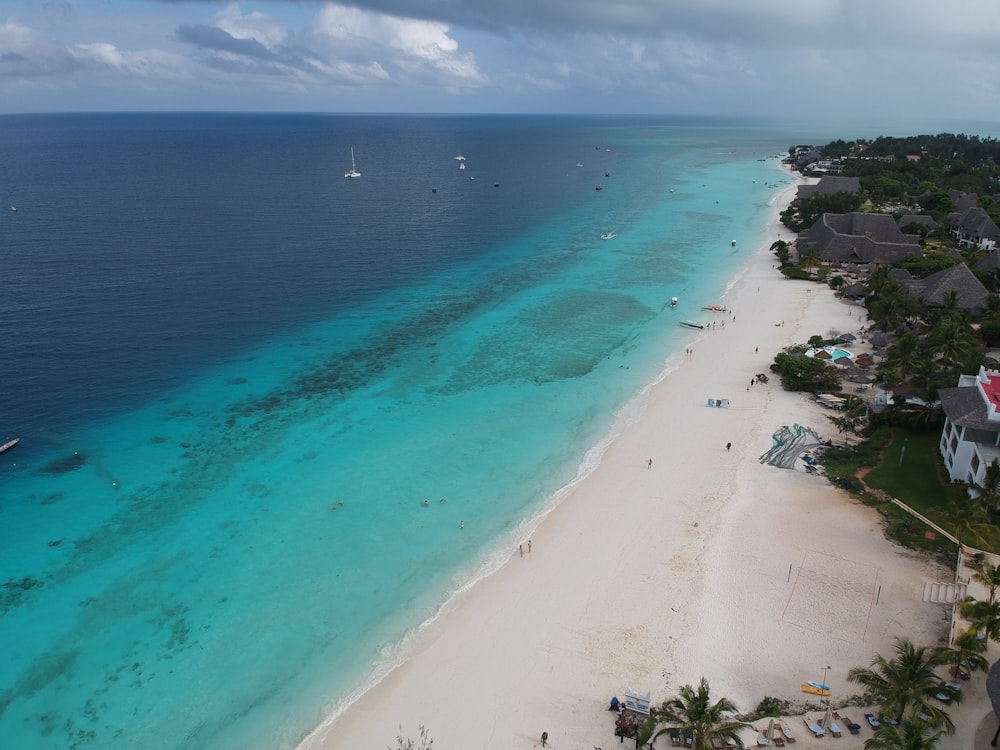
(237, 376)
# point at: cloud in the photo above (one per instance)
(218, 40)
(415, 50)
(254, 25)
(514, 55)
(26, 54)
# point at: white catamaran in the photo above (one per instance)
(353, 171)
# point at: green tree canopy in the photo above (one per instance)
(692, 712)
(908, 683)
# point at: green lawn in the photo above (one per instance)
(910, 472)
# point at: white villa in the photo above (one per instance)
(970, 440)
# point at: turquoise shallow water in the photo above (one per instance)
(226, 561)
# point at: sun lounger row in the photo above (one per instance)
(815, 728)
(675, 738)
(851, 726)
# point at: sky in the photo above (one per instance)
(843, 60)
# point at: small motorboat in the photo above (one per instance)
(673, 302)
(599, 187)
(715, 308)
(692, 324)
(9, 444)
(609, 235)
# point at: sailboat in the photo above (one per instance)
(353, 171)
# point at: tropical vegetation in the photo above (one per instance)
(693, 714)
(908, 684)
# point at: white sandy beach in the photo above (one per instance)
(707, 563)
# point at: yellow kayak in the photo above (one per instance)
(815, 688)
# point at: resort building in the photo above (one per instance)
(973, 227)
(857, 239)
(830, 186)
(970, 440)
(953, 286)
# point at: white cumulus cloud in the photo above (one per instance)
(415, 48)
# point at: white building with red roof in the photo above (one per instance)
(970, 440)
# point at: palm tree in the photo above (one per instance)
(692, 712)
(905, 354)
(881, 282)
(987, 573)
(989, 494)
(908, 683)
(912, 733)
(967, 654)
(951, 339)
(967, 520)
(983, 617)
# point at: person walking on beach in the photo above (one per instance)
(649, 464)
(728, 446)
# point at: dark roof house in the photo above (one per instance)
(974, 228)
(858, 238)
(921, 220)
(937, 288)
(830, 185)
(962, 199)
(990, 264)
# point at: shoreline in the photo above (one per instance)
(654, 576)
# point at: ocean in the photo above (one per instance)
(272, 419)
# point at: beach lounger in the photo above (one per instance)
(835, 730)
(778, 740)
(815, 728)
(688, 739)
(851, 726)
(675, 738)
(875, 723)
(787, 731)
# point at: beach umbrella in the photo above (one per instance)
(828, 717)
(823, 354)
(843, 362)
(864, 361)
(860, 378)
(770, 728)
(847, 337)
